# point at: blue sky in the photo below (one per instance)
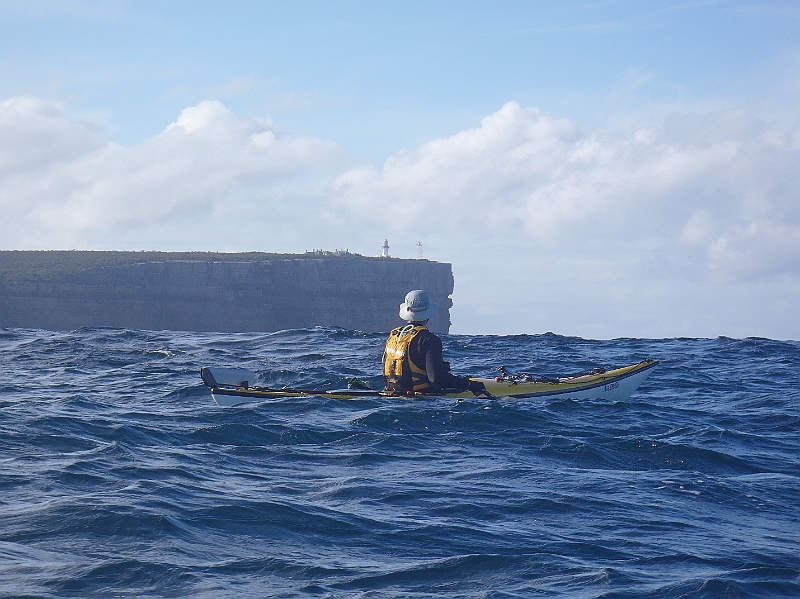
(377, 77)
(592, 168)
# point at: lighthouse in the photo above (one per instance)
(385, 246)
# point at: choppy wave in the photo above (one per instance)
(119, 476)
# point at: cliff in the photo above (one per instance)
(200, 291)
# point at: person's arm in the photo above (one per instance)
(438, 372)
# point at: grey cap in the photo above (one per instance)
(417, 307)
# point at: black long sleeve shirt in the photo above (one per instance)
(426, 348)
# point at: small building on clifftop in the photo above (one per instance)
(206, 291)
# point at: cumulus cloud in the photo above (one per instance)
(34, 136)
(61, 182)
(720, 188)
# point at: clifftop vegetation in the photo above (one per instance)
(22, 265)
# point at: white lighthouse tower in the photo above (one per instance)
(385, 246)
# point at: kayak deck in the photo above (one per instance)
(617, 384)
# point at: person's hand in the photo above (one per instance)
(478, 388)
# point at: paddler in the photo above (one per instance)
(412, 357)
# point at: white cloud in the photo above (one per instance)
(765, 247)
(63, 185)
(726, 184)
(548, 227)
(35, 136)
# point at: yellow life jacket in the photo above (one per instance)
(400, 374)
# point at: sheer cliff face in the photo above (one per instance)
(215, 294)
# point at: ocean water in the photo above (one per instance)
(120, 477)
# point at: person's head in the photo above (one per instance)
(418, 307)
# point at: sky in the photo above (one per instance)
(601, 169)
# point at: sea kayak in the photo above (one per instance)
(233, 386)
